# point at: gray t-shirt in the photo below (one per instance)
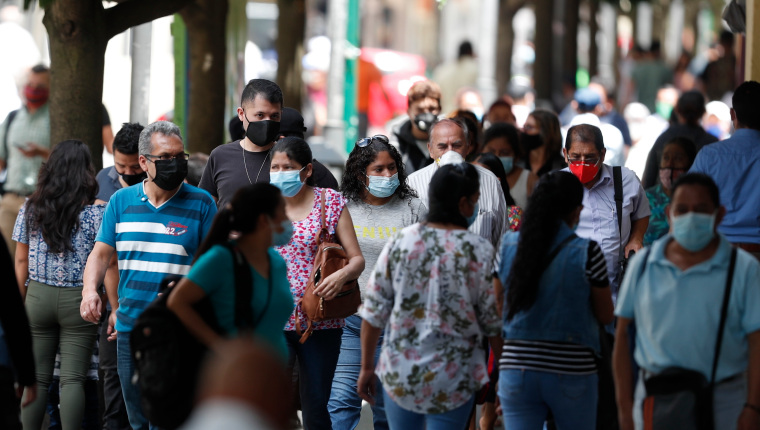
(227, 171)
(374, 225)
(108, 182)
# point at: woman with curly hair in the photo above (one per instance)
(557, 295)
(541, 140)
(55, 231)
(380, 203)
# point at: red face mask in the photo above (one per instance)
(584, 172)
(36, 97)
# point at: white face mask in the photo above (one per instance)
(450, 157)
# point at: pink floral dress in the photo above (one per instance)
(300, 252)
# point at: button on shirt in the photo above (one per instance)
(25, 128)
(491, 223)
(598, 220)
(677, 312)
(734, 165)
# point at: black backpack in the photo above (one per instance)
(168, 357)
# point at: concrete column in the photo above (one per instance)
(140, 97)
(337, 25)
(752, 53)
(489, 15)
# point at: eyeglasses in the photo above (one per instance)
(184, 156)
(587, 161)
(361, 143)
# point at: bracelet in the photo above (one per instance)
(753, 407)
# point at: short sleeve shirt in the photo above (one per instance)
(214, 272)
(64, 269)
(300, 252)
(677, 312)
(431, 290)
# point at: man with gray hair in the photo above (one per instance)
(155, 228)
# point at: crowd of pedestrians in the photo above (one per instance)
(503, 255)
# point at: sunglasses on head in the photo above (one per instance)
(361, 143)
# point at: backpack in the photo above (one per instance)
(4, 174)
(168, 357)
(330, 258)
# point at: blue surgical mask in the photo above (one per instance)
(471, 218)
(508, 163)
(693, 230)
(383, 186)
(289, 182)
(282, 239)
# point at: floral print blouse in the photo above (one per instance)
(514, 218)
(64, 269)
(300, 252)
(431, 290)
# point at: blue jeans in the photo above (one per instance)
(130, 391)
(527, 396)
(345, 405)
(317, 358)
(402, 419)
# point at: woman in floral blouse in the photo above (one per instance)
(431, 291)
(55, 231)
(291, 171)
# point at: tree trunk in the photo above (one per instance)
(593, 47)
(542, 68)
(291, 30)
(206, 21)
(505, 41)
(78, 41)
(570, 42)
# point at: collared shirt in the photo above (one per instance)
(25, 128)
(598, 220)
(152, 242)
(108, 183)
(491, 223)
(677, 312)
(431, 291)
(734, 165)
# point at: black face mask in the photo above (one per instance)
(424, 121)
(262, 133)
(170, 173)
(134, 179)
(531, 141)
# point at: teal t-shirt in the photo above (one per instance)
(214, 272)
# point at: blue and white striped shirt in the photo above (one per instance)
(152, 242)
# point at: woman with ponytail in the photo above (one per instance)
(557, 294)
(257, 214)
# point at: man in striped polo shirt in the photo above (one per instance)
(155, 229)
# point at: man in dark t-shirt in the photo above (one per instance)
(126, 170)
(246, 161)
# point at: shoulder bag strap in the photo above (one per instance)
(617, 179)
(322, 216)
(723, 314)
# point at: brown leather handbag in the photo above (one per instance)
(330, 258)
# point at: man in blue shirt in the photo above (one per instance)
(155, 228)
(675, 298)
(734, 165)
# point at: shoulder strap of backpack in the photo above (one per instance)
(243, 290)
(8, 121)
(723, 314)
(556, 250)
